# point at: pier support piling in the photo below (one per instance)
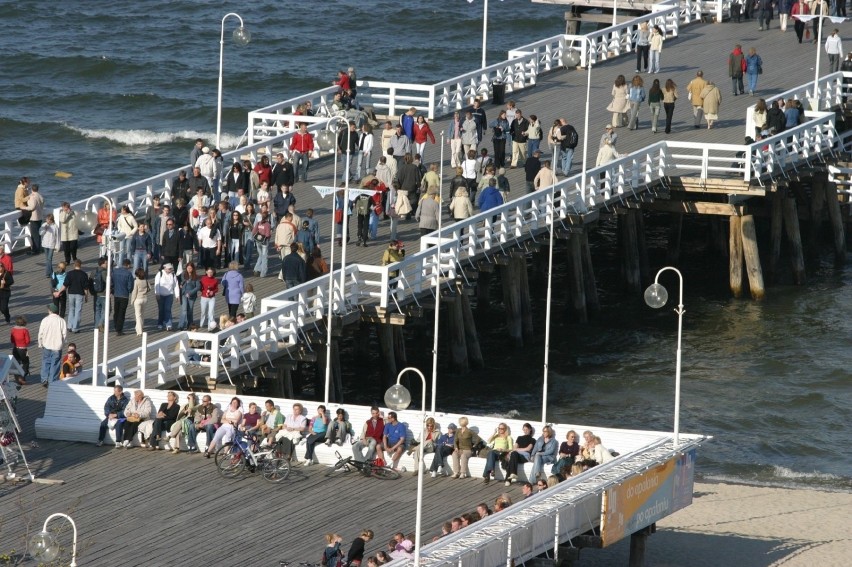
(735, 256)
(510, 277)
(576, 280)
(791, 225)
(474, 352)
(675, 231)
(589, 282)
(526, 304)
(752, 257)
(483, 291)
(385, 334)
(458, 341)
(837, 228)
(776, 229)
(630, 253)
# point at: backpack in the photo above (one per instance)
(571, 139)
(98, 283)
(362, 205)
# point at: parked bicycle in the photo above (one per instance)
(234, 457)
(367, 468)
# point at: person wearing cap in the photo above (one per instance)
(206, 164)
(609, 134)
(165, 288)
(52, 333)
(444, 447)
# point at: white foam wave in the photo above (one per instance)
(149, 137)
(784, 472)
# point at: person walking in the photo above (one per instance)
(635, 96)
(833, 47)
(799, 8)
(209, 289)
(428, 211)
(6, 282)
(139, 298)
(694, 90)
(77, 290)
(50, 242)
(783, 7)
(19, 337)
(165, 289)
(233, 286)
(69, 234)
(52, 333)
(818, 8)
(736, 67)
(764, 14)
(619, 105)
(712, 98)
(754, 67)
(568, 144)
(655, 98)
(518, 131)
(656, 45)
(669, 98)
(500, 133)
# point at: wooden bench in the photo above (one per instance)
(73, 412)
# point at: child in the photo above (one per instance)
(20, 339)
(71, 366)
(249, 300)
(72, 349)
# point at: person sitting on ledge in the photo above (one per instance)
(294, 427)
(138, 410)
(316, 433)
(500, 443)
(544, 451)
(393, 439)
(114, 415)
(231, 419)
(520, 453)
(207, 418)
(166, 417)
(338, 429)
(271, 421)
(371, 438)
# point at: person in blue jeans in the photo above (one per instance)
(207, 418)
(443, 449)
(52, 333)
(114, 409)
(544, 451)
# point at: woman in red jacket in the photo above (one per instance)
(20, 339)
(209, 289)
(422, 132)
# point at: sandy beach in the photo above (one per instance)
(746, 526)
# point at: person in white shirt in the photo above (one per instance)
(834, 48)
(165, 288)
(365, 151)
(52, 333)
(294, 426)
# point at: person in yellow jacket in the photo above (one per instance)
(694, 90)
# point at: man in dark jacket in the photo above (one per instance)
(196, 182)
(114, 410)
(282, 201)
(122, 286)
(518, 131)
(282, 173)
(170, 245)
(180, 187)
(294, 268)
(347, 142)
(531, 168)
(736, 66)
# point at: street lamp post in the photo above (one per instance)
(241, 38)
(572, 58)
(547, 303)
(438, 282)
(331, 257)
(110, 236)
(656, 296)
(43, 546)
(398, 398)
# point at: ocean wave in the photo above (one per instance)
(784, 472)
(150, 137)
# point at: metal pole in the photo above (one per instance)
(221, 65)
(330, 298)
(547, 303)
(73, 527)
(484, 33)
(437, 282)
(108, 239)
(418, 514)
(614, 12)
(680, 311)
(586, 119)
(815, 103)
(344, 236)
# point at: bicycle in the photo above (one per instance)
(367, 468)
(233, 457)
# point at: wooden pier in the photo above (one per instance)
(140, 507)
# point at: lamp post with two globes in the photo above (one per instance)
(43, 546)
(241, 38)
(398, 398)
(656, 296)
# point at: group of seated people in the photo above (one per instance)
(381, 436)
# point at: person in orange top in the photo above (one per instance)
(6, 260)
(105, 219)
(20, 339)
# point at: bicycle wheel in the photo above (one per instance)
(385, 473)
(276, 470)
(230, 460)
(342, 464)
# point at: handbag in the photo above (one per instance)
(759, 67)
(338, 216)
(134, 419)
(261, 239)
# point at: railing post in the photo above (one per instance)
(143, 362)
(95, 366)
(432, 95)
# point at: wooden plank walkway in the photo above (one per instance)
(125, 501)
